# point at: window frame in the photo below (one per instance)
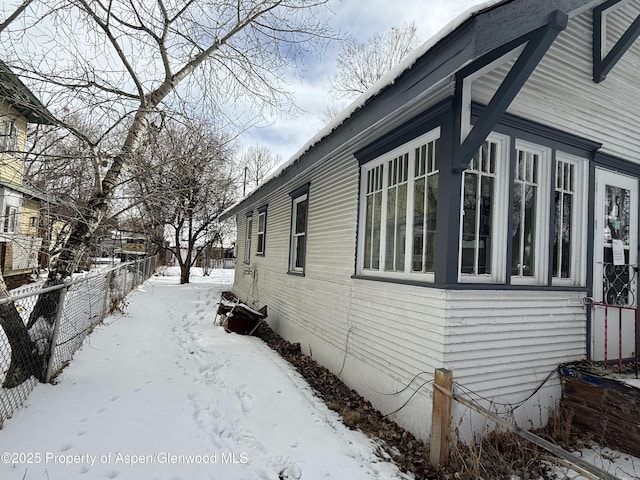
(543, 255)
(500, 206)
(8, 137)
(248, 237)
(10, 219)
(298, 196)
(373, 165)
(580, 215)
(261, 235)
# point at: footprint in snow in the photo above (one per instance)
(246, 400)
(66, 447)
(111, 474)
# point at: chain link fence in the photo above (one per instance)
(38, 338)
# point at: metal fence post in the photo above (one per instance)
(56, 330)
(124, 282)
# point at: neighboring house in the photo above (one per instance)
(20, 239)
(460, 212)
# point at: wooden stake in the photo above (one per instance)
(441, 418)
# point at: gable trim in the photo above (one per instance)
(602, 66)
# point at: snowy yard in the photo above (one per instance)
(162, 393)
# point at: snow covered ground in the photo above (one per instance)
(160, 392)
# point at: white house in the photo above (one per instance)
(459, 213)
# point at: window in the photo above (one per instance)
(484, 213)
(539, 200)
(568, 220)
(247, 238)
(262, 229)
(10, 219)
(530, 214)
(8, 134)
(399, 206)
(299, 214)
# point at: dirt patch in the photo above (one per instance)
(497, 456)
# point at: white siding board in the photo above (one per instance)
(502, 344)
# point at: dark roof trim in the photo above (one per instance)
(21, 98)
(470, 36)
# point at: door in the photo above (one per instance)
(615, 278)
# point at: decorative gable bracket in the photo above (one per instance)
(602, 66)
(533, 47)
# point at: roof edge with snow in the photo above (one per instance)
(491, 24)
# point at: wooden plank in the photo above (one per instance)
(554, 449)
(441, 417)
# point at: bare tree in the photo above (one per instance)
(361, 65)
(121, 64)
(14, 14)
(124, 65)
(257, 161)
(185, 179)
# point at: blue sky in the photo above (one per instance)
(361, 19)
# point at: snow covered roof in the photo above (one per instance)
(386, 81)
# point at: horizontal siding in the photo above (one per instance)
(561, 92)
(505, 342)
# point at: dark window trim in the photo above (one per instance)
(543, 135)
(418, 125)
(295, 194)
(248, 235)
(473, 286)
(300, 190)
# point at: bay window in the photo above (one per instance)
(508, 209)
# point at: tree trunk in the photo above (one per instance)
(25, 359)
(185, 271)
